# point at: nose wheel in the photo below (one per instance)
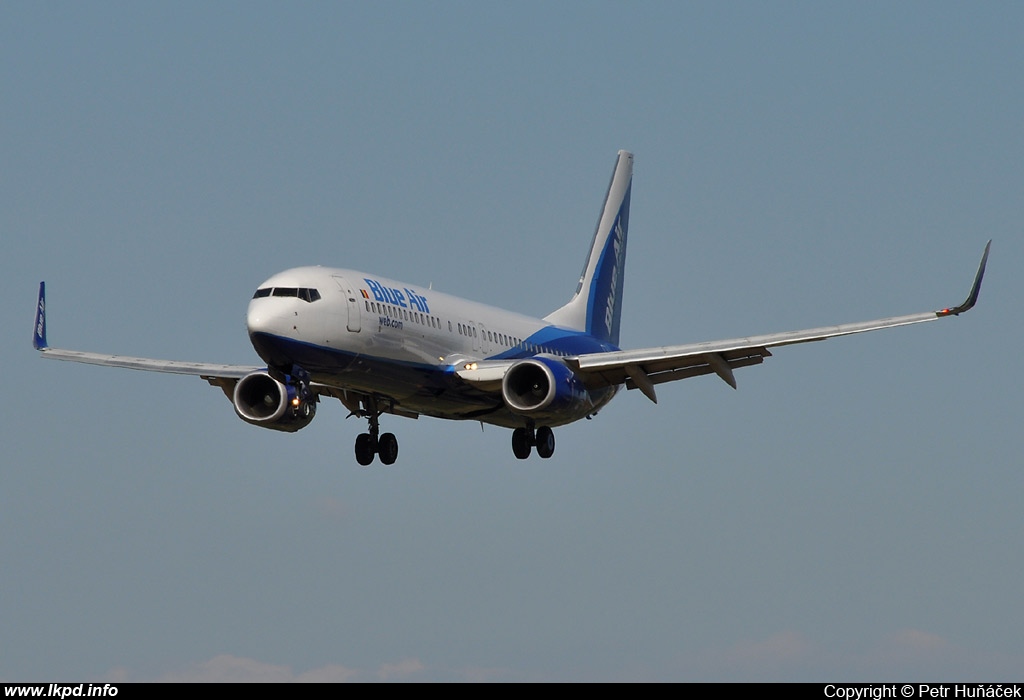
(524, 439)
(373, 443)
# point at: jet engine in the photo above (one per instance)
(542, 386)
(264, 401)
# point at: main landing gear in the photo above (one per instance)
(373, 443)
(525, 438)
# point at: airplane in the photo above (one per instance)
(382, 346)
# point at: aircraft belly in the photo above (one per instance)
(419, 387)
(281, 353)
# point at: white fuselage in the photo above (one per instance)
(379, 336)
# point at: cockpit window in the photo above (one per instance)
(304, 293)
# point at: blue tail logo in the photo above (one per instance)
(605, 310)
(596, 307)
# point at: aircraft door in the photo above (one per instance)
(351, 301)
(485, 342)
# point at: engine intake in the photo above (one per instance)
(263, 401)
(542, 384)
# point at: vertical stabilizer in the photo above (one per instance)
(596, 307)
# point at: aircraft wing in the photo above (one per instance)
(643, 369)
(223, 376)
(201, 369)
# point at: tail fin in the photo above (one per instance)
(596, 307)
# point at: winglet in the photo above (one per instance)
(39, 331)
(972, 298)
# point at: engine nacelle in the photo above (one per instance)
(262, 400)
(542, 386)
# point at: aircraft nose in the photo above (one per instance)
(268, 329)
(260, 319)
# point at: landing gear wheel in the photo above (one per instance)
(387, 448)
(545, 442)
(372, 442)
(521, 443)
(366, 448)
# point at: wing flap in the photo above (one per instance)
(695, 371)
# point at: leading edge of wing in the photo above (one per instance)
(649, 366)
(202, 369)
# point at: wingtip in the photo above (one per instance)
(39, 330)
(972, 298)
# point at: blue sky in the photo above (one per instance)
(852, 512)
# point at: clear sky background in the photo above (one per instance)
(854, 511)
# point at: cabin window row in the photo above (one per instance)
(508, 340)
(463, 329)
(402, 314)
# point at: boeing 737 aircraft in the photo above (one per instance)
(383, 346)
